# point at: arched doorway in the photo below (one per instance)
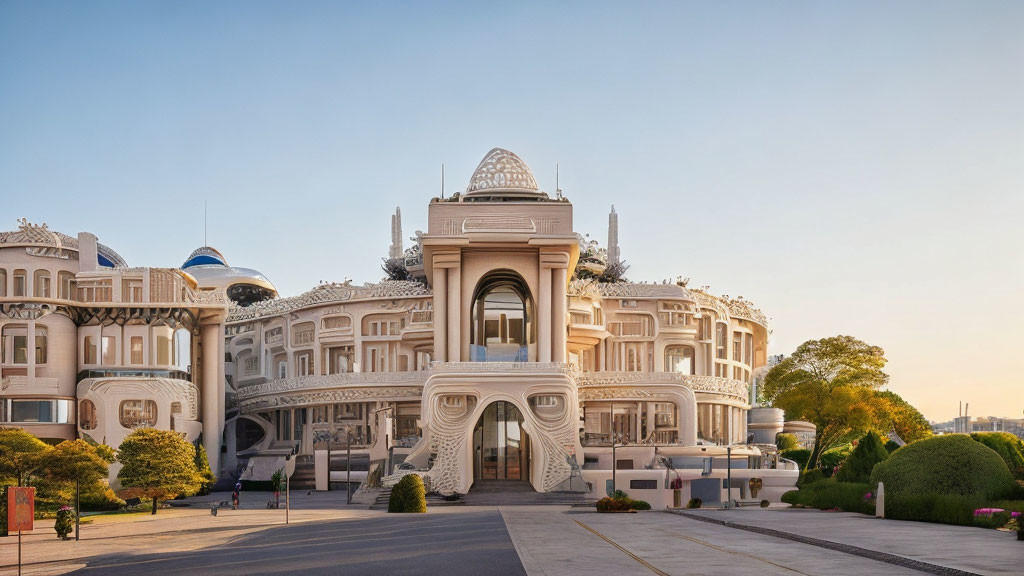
(501, 446)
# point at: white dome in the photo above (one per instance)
(502, 173)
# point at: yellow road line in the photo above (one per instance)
(627, 552)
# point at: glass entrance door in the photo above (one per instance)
(499, 443)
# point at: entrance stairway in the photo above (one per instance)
(520, 493)
(305, 474)
(384, 496)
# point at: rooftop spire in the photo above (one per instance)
(396, 250)
(613, 237)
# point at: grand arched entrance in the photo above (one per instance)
(501, 446)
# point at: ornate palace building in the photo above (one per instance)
(505, 346)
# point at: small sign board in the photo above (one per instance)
(21, 508)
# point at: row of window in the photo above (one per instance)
(14, 344)
(41, 284)
(30, 411)
(130, 413)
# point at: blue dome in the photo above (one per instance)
(205, 256)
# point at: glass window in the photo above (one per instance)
(3, 282)
(90, 350)
(41, 284)
(20, 283)
(500, 320)
(87, 415)
(721, 340)
(40, 344)
(67, 288)
(136, 349)
(109, 351)
(137, 413)
(679, 359)
(20, 349)
(32, 411)
(163, 350)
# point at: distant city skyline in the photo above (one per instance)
(849, 168)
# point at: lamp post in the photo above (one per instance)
(78, 505)
(728, 475)
(348, 463)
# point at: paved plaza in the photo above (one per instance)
(327, 537)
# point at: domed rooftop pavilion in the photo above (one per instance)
(502, 176)
(244, 286)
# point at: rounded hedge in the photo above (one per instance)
(1009, 447)
(408, 495)
(944, 465)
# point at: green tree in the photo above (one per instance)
(908, 423)
(21, 454)
(862, 460)
(831, 383)
(203, 468)
(785, 441)
(158, 464)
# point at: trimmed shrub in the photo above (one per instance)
(785, 441)
(607, 504)
(834, 458)
(1009, 447)
(810, 477)
(694, 503)
(939, 508)
(944, 465)
(638, 504)
(408, 495)
(892, 446)
(829, 494)
(857, 468)
(765, 503)
(798, 455)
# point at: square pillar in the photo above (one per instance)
(558, 325)
(454, 319)
(440, 314)
(544, 316)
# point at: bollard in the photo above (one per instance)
(213, 509)
(880, 501)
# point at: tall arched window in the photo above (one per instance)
(502, 313)
(87, 415)
(679, 359)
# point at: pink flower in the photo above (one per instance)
(988, 511)
(868, 496)
(1014, 514)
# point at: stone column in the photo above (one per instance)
(558, 296)
(213, 407)
(440, 314)
(544, 316)
(454, 316)
(221, 393)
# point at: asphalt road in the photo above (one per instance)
(465, 543)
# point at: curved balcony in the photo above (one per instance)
(710, 384)
(348, 387)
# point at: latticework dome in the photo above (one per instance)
(502, 174)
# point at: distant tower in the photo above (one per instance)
(396, 250)
(613, 237)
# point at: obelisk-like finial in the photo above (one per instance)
(613, 237)
(396, 250)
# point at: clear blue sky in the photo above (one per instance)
(852, 168)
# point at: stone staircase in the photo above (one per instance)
(519, 493)
(305, 474)
(384, 496)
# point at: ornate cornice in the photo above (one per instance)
(332, 381)
(328, 294)
(709, 384)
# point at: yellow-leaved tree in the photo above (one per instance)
(158, 464)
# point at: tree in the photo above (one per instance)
(831, 383)
(785, 441)
(203, 468)
(21, 454)
(908, 423)
(158, 464)
(858, 465)
(76, 460)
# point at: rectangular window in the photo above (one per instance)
(32, 411)
(3, 282)
(136, 349)
(20, 283)
(40, 345)
(20, 349)
(90, 350)
(737, 346)
(643, 484)
(108, 350)
(163, 350)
